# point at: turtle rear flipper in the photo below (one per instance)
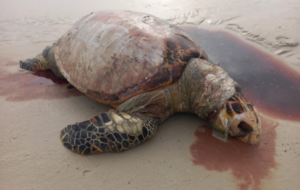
(35, 64)
(108, 132)
(41, 62)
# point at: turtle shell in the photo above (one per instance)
(114, 55)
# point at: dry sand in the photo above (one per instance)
(32, 156)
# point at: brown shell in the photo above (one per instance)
(114, 55)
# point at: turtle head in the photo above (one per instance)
(238, 118)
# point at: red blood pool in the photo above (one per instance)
(274, 89)
(249, 164)
(271, 85)
(22, 86)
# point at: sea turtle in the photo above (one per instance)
(147, 69)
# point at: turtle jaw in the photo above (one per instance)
(252, 138)
(245, 130)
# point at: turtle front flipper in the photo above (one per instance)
(108, 132)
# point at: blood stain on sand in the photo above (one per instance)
(273, 88)
(249, 164)
(271, 85)
(28, 85)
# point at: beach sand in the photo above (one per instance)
(183, 154)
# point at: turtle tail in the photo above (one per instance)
(108, 132)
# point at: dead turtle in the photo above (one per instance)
(148, 70)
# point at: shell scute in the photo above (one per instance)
(112, 56)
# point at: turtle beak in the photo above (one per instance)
(245, 130)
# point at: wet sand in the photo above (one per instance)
(34, 107)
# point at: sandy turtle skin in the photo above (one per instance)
(148, 70)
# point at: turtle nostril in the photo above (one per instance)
(257, 136)
(245, 127)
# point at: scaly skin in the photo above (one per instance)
(240, 114)
(108, 132)
(39, 63)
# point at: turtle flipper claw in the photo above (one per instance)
(108, 132)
